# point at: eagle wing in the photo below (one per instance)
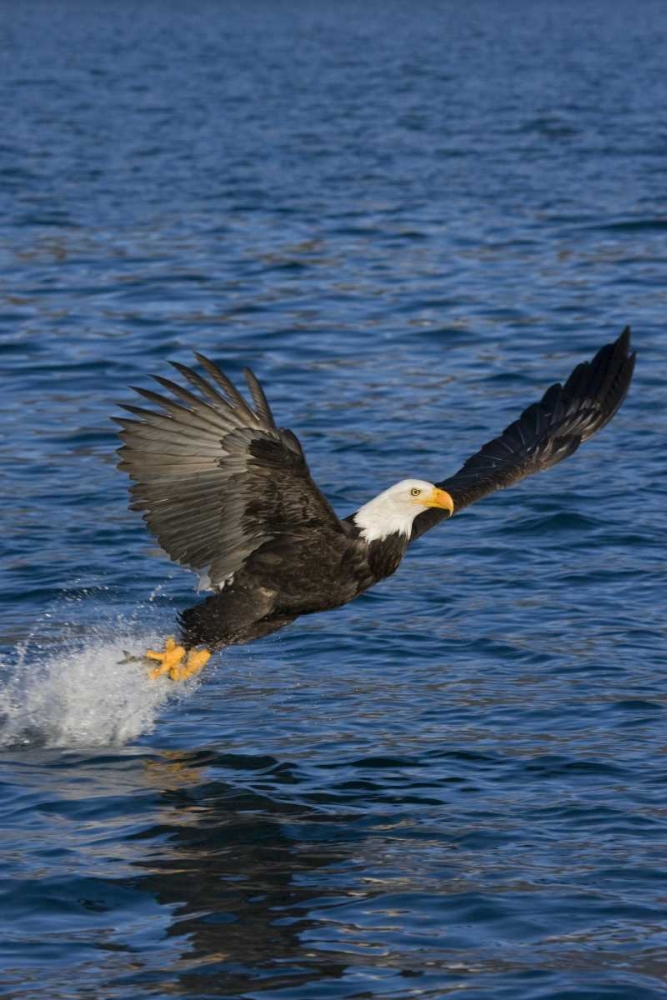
(545, 433)
(215, 478)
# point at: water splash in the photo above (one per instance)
(81, 694)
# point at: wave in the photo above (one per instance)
(81, 693)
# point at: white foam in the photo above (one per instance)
(80, 694)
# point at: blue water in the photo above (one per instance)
(409, 219)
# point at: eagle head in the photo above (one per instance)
(394, 510)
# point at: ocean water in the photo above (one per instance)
(409, 219)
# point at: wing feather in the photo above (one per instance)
(235, 397)
(195, 379)
(546, 432)
(214, 479)
(195, 419)
(259, 399)
(149, 418)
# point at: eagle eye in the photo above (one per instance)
(415, 492)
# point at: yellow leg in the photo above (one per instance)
(167, 660)
(197, 658)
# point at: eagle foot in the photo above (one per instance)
(175, 661)
(196, 659)
(167, 660)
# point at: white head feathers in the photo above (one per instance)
(393, 511)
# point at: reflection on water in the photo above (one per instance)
(238, 870)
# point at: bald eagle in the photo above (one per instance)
(228, 493)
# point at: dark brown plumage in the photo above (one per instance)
(546, 432)
(228, 493)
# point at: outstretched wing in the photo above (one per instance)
(214, 478)
(545, 433)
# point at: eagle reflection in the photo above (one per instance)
(234, 868)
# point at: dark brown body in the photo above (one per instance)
(338, 569)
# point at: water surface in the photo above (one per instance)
(409, 220)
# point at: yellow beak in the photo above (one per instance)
(438, 498)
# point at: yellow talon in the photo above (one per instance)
(197, 658)
(169, 645)
(167, 660)
(171, 661)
